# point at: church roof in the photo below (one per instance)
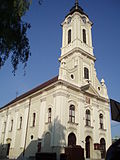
(43, 85)
(76, 8)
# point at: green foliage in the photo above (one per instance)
(13, 40)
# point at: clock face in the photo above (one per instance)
(84, 19)
(69, 20)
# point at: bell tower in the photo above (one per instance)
(77, 60)
(76, 31)
(77, 51)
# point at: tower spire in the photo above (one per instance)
(76, 4)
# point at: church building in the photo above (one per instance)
(69, 109)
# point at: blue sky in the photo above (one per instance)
(45, 38)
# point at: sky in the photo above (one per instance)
(45, 38)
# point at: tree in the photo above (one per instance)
(13, 39)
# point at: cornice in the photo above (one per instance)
(77, 49)
(25, 100)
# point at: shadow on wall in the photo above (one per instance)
(4, 149)
(52, 141)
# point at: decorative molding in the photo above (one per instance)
(60, 93)
(77, 49)
(72, 123)
(102, 130)
(88, 106)
(43, 99)
(89, 127)
(101, 111)
(89, 133)
(102, 134)
(70, 101)
(72, 69)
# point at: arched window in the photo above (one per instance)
(20, 123)
(84, 35)
(49, 115)
(69, 36)
(86, 73)
(71, 139)
(88, 118)
(103, 147)
(11, 128)
(34, 118)
(72, 113)
(87, 146)
(101, 121)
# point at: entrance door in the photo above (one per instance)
(71, 139)
(103, 147)
(8, 149)
(87, 146)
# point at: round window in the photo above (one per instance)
(72, 76)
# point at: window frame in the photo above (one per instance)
(86, 73)
(88, 117)
(20, 125)
(72, 113)
(84, 36)
(69, 36)
(11, 127)
(34, 119)
(101, 121)
(49, 114)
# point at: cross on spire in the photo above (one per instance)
(76, 4)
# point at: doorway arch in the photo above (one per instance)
(71, 139)
(8, 146)
(88, 147)
(103, 147)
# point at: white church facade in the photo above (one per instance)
(74, 105)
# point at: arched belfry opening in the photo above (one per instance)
(71, 139)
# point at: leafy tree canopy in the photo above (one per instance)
(13, 40)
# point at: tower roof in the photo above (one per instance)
(76, 8)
